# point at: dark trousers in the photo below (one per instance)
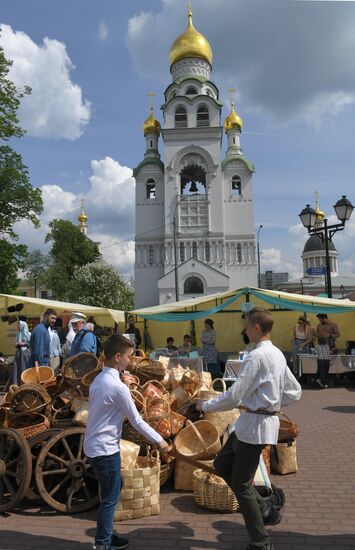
(323, 369)
(237, 463)
(108, 473)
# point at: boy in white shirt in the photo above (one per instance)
(264, 384)
(110, 402)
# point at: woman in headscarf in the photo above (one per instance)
(209, 351)
(23, 352)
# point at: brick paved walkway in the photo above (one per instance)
(319, 511)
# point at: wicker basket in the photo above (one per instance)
(135, 359)
(31, 398)
(129, 433)
(63, 418)
(29, 424)
(212, 493)
(147, 370)
(141, 490)
(42, 375)
(288, 430)
(211, 393)
(166, 472)
(88, 379)
(157, 415)
(75, 368)
(183, 474)
(198, 440)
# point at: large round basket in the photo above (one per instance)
(288, 429)
(88, 379)
(31, 398)
(198, 440)
(75, 368)
(41, 375)
(212, 493)
(29, 424)
(147, 370)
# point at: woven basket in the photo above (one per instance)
(87, 379)
(288, 430)
(135, 359)
(198, 440)
(212, 493)
(141, 490)
(42, 375)
(266, 452)
(129, 433)
(63, 418)
(166, 472)
(75, 368)
(138, 398)
(153, 388)
(183, 474)
(157, 415)
(130, 379)
(29, 424)
(147, 370)
(31, 398)
(211, 393)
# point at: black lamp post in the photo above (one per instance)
(258, 253)
(343, 209)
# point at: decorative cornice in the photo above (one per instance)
(230, 158)
(151, 160)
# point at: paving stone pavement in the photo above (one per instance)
(319, 511)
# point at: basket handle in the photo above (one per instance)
(140, 353)
(189, 423)
(293, 424)
(219, 380)
(193, 462)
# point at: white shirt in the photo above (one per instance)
(264, 382)
(109, 403)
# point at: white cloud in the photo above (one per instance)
(273, 259)
(103, 31)
(55, 108)
(109, 205)
(294, 62)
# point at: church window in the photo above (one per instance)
(194, 250)
(180, 117)
(193, 285)
(151, 144)
(193, 180)
(151, 190)
(236, 186)
(191, 91)
(151, 255)
(239, 253)
(317, 262)
(182, 252)
(203, 117)
(207, 252)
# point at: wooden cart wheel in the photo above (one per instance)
(36, 444)
(15, 468)
(64, 477)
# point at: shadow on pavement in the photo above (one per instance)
(232, 537)
(340, 408)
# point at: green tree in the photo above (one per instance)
(99, 284)
(35, 268)
(18, 199)
(70, 250)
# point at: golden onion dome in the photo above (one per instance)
(190, 43)
(82, 218)
(320, 214)
(151, 125)
(233, 120)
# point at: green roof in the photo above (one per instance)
(229, 158)
(146, 161)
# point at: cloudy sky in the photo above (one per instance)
(90, 65)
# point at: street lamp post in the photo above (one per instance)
(194, 196)
(343, 209)
(258, 253)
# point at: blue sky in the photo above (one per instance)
(91, 65)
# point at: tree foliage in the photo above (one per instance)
(18, 199)
(99, 284)
(35, 268)
(12, 259)
(70, 250)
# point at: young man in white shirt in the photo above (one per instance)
(109, 403)
(264, 384)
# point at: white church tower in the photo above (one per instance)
(208, 199)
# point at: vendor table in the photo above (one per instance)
(232, 368)
(339, 364)
(187, 362)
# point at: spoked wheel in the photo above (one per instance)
(36, 444)
(64, 476)
(15, 468)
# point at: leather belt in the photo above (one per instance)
(261, 411)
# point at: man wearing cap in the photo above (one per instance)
(85, 339)
(328, 330)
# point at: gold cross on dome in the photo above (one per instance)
(232, 91)
(151, 95)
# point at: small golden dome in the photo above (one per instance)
(320, 214)
(82, 218)
(233, 120)
(190, 43)
(151, 125)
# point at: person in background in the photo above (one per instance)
(265, 383)
(186, 347)
(170, 344)
(40, 341)
(85, 339)
(132, 329)
(311, 331)
(209, 350)
(55, 349)
(23, 352)
(328, 330)
(110, 403)
(323, 361)
(301, 341)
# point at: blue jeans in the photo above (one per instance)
(108, 473)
